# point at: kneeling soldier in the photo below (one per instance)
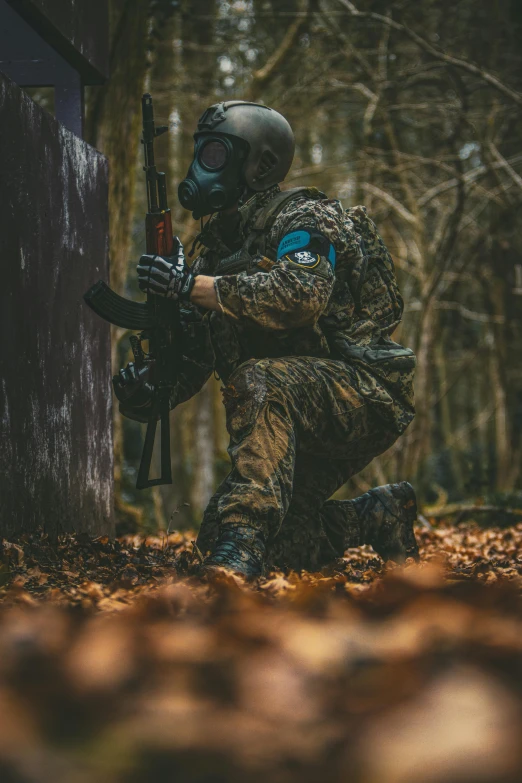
(292, 302)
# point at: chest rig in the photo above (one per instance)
(255, 255)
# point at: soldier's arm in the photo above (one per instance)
(297, 288)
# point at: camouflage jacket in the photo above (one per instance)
(272, 307)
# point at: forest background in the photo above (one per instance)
(411, 107)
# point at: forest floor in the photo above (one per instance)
(113, 668)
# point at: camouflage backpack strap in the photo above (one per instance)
(268, 215)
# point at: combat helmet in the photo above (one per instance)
(237, 144)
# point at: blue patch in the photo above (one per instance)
(297, 240)
(302, 240)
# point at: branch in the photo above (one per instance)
(362, 88)
(488, 195)
(438, 55)
(470, 315)
(503, 163)
(468, 178)
(391, 201)
(264, 74)
(311, 81)
(350, 50)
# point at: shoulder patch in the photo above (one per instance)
(293, 241)
(304, 258)
(308, 241)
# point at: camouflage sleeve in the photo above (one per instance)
(296, 290)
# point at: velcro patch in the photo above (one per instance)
(304, 258)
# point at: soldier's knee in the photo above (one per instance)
(253, 385)
(255, 377)
(243, 397)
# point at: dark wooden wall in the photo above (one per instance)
(77, 29)
(55, 398)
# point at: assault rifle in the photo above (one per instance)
(157, 319)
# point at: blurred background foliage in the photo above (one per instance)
(411, 107)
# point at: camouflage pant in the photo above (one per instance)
(299, 428)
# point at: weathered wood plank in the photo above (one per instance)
(55, 398)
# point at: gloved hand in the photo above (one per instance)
(169, 277)
(134, 391)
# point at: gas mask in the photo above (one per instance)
(240, 146)
(214, 181)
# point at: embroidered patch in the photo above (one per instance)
(312, 241)
(304, 258)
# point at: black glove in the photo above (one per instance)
(134, 391)
(170, 277)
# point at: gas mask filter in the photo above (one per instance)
(214, 181)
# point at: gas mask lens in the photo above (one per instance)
(213, 155)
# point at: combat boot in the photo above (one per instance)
(386, 515)
(239, 548)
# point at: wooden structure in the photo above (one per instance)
(58, 43)
(55, 394)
